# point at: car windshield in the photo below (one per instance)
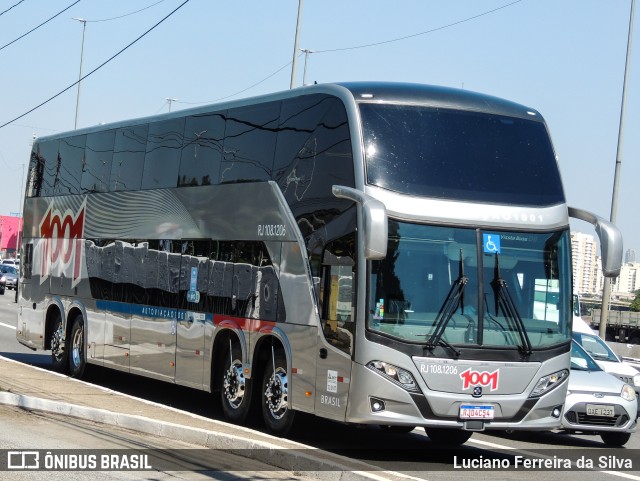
(472, 287)
(596, 347)
(580, 359)
(6, 269)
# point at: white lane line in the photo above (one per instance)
(7, 325)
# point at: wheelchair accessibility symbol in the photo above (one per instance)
(491, 243)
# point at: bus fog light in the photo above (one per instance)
(556, 411)
(547, 383)
(397, 375)
(377, 405)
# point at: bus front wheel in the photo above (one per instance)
(451, 437)
(277, 415)
(236, 389)
(77, 353)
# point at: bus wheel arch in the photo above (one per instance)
(235, 388)
(275, 388)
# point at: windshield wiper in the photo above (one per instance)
(454, 299)
(505, 303)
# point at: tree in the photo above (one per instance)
(635, 305)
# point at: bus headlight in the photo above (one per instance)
(547, 383)
(636, 380)
(627, 393)
(397, 375)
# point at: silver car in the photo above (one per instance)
(597, 402)
(10, 275)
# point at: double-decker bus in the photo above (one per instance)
(366, 252)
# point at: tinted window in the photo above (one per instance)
(97, 161)
(460, 155)
(313, 154)
(128, 158)
(42, 168)
(69, 164)
(202, 150)
(250, 142)
(162, 160)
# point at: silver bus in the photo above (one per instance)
(365, 252)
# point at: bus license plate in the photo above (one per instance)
(476, 411)
(600, 410)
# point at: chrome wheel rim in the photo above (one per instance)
(234, 384)
(76, 348)
(277, 393)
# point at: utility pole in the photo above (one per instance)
(294, 63)
(84, 27)
(169, 100)
(606, 292)
(306, 57)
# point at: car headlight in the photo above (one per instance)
(628, 393)
(3, 279)
(397, 375)
(636, 380)
(547, 383)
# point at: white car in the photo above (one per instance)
(597, 402)
(604, 356)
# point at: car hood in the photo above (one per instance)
(594, 381)
(617, 368)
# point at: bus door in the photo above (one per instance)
(195, 270)
(335, 344)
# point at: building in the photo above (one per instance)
(583, 255)
(10, 231)
(629, 256)
(629, 279)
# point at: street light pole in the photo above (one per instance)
(606, 292)
(84, 27)
(294, 63)
(169, 100)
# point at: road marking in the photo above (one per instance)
(7, 325)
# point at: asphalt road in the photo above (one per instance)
(412, 454)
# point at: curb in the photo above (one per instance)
(332, 468)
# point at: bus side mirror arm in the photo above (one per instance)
(374, 220)
(610, 240)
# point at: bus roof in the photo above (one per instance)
(391, 92)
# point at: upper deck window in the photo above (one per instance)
(459, 155)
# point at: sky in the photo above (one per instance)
(565, 58)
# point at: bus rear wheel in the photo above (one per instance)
(277, 415)
(451, 437)
(77, 352)
(58, 348)
(236, 388)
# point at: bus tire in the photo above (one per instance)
(58, 348)
(77, 351)
(448, 436)
(277, 415)
(235, 389)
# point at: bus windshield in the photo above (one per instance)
(460, 155)
(472, 287)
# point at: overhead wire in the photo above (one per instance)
(406, 37)
(95, 69)
(125, 15)
(12, 6)
(43, 23)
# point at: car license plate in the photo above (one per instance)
(476, 411)
(600, 410)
